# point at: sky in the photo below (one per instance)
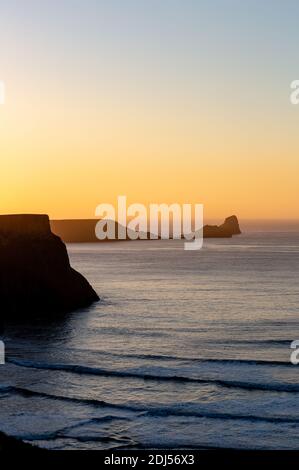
(163, 101)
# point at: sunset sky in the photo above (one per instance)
(160, 100)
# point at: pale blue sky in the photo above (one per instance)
(165, 42)
(198, 89)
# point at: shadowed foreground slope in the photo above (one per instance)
(9, 444)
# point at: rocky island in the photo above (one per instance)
(229, 228)
(36, 279)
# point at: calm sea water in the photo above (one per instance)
(185, 349)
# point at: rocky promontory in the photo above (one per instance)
(36, 279)
(83, 230)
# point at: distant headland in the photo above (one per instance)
(83, 230)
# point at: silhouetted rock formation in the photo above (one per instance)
(78, 230)
(83, 231)
(232, 225)
(36, 278)
(75, 231)
(229, 228)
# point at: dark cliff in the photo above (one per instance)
(36, 278)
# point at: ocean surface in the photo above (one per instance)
(185, 349)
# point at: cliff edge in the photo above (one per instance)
(36, 278)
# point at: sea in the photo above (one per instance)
(186, 349)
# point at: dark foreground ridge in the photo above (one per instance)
(8, 444)
(36, 278)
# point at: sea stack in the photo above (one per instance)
(231, 224)
(36, 279)
(229, 228)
